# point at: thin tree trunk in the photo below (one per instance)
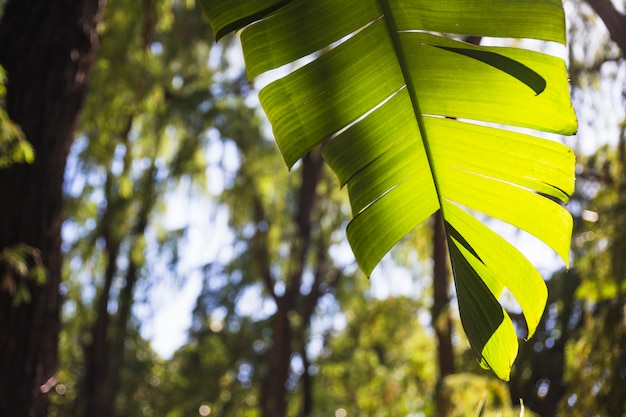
(307, 385)
(96, 351)
(615, 318)
(615, 21)
(47, 48)
(274, 391)
(104, 370)
(323, 280)
(440, 311)
(125, 303)
(104, 358)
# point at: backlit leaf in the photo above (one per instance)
(401, 112)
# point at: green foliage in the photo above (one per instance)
(158, 117)
(382, 363)
(232, 340)
(385, 104)
(144, 128)
(460, 391)
(217, 369)
(594, 355)
(14, 148)
(143, 138)
(19, 265)
(574, 366)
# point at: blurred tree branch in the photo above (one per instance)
(614, 20)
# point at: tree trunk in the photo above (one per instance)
(442, 321)
(104, 358)
(47, 48)
(274, 391)
(102, 375)
(94, 382)
(307, 385)
(615, 317)
(440, 310)
(615, 21)
(293, 302)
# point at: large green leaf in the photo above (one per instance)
(407, 118)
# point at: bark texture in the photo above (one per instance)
(47, 48)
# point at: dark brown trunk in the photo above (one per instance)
(614, 401)
(96, 349)
(94, 382)
(614, 20)
(441, 319)
(615, 318)
(307, 386)
(293, 302)
(47, 48)
(440, 310)
(125, 302)
(104, 358)
(104, 370)
(307, 200)
(274, 392)
(323, 280)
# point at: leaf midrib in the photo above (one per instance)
(397, 46)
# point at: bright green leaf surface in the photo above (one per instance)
(506, 265)
(398, 111)
(228, 15)
(280, 47)
(471, 89)
(539, 165)
(512, 67)
(374, 231)
(486, 323)
(498, 18)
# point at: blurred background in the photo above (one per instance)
(201, 278)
